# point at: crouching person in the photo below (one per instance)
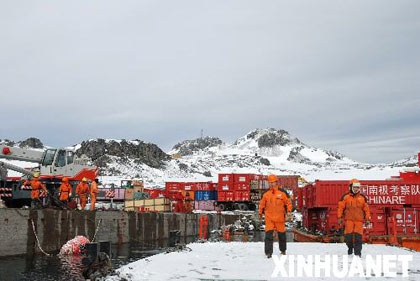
(354, 209)
(276, 206)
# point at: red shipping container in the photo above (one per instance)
(325, 220)
(189, 186)
(241, 196)
(204, 186)
(225, 196)
(242, 178)
(378, 225)
(289, 181)
(406, 220)
(310, 219)
(410, 175)
(179, 194)
(209, 205)
(174, 186)
(241, 187)
(378, 192)
(225, 187)
(226, 178)
(299, 204)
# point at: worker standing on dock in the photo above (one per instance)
(37, 186)
(65, 191)
(276, 206)
(93, 193)
(355, 210)
(83, 190)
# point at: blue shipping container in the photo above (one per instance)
(205, 195)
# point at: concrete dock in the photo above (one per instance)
(55, 227)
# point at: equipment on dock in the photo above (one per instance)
(53, 165)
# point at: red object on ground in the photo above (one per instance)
(202, 230)
(73, 246)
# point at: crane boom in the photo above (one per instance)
(18, 169)
(21, 154)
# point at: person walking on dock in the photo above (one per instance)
(276, 206)
(354, 209)
(82, 191)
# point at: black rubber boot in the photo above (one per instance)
(268, 243)
(282, 242)
(358, 244)
(348, 238)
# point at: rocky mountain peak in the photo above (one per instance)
(188, 147)
(29, 143)
(269, 137)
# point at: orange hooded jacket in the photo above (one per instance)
(36, 188)
(65, 191)
(275, 204)
(353, 207)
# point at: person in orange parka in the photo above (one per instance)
(65, 191)
(93, 194)
(36, 186)
(276, 206)
(355, 210)
(188, 203)
(83, 190)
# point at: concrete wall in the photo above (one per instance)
(56, 227)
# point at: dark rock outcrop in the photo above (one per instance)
(99, 151)
(188, 147)
(275, 137)
(295, 155)
(32, 142)
(28, 143)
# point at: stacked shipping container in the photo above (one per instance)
(199, 191)
(396, 198)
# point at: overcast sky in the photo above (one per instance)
(340, 75)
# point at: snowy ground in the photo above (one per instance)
(244, 261)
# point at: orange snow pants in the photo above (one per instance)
(279, 226)
(92, 202)
(353, 226)
(83, 201)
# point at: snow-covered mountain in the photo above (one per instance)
(260, 151)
